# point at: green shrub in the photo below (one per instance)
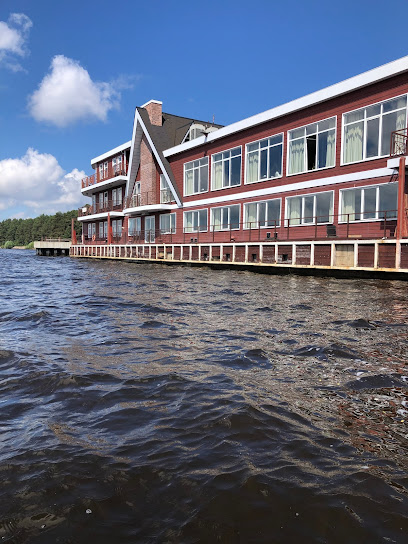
(30, 245)
(9, 244)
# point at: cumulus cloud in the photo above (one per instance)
(13, 40)
(37, 181)
(67, 94)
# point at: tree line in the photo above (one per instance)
(21, 232)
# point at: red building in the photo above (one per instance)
(318, 182)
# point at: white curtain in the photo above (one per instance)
(297, 156)
(216, 219)
(252, 171)
(217, 176)
(250, 216)
(348, 205)
(331, 142)
(353, 142)
(294, 210)
(189, 182)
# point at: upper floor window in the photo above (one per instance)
(367, 132)
(195, 221)
(226, 169)
(166, 195)
(312, 147)
(264, 159)
(262, 214)
(117, 165)
(117, 196)
(368, 203)
(103, 170)
(225, 218)
(167, 223)
(309, 209)
(196, 177)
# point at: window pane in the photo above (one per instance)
(294, 210)
(264, 163)
(189, 182)
(325, 150)
(275, 161)
(354, 116)
(226, 173)
(195, 221)
(216, 218)
(308, 209)
(388, 200)
(351, 205)
(225, 218)
(236, 171)
(311, 142)
(204, 178)
(370, 201)
(217, 176)
(297, 133)
(196, 184)
(373, 127)
(395, 104)
(234, 217)
(276, 139)
(273, 216)
(390, 122)
(327, 124)
(203, 219)
(353, 143)
(253, 147)
(296, 156)
(188, 220)
(373, 110)
(261, 213)
(324, 207)
(250, 216)
(311, 129)
(235, 152)
(252, 167)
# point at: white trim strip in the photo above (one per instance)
(343, 178)
(110, 153)
(111, 182)
(150, 208)
(362, 80)
(100, 216)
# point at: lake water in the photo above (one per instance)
(167, 404)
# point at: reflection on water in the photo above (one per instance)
(146, 403)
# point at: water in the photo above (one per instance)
(150, 403)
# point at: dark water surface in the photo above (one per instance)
(145, 403)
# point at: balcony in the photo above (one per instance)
(107, 206)
(109, 173)
(150, 200)
(399, 141)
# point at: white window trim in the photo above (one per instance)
(184, 221)
(304, 126)
(246, 158)
(175, 223)
(257, 213)
(184, 177)
(343, 126)
(229, 218)
(314, 209)
(377, 198)
(137, 230)
(222, 161)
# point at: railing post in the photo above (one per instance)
(348, 225)
(385, 225)
(315, 227)
(287, 237)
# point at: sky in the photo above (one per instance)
(73, 71)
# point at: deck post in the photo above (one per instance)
(312, 254)
(376, 255)
(401, 214)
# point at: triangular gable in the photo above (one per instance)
(139, 129)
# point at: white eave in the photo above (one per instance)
(395, 162)
(150, 208)
(357, 82)
(95, 216)
(110, 153)
(111, 182)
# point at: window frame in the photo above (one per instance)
(305, 126)
(213, 163)
(343, 126)
(257, 213)
(194, 211)
(221, 229)
(246, 158)
(138, 229)
(173, 220)
(313, 223)
(198, 167)
(362, 211)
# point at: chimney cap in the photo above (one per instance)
(152, 102)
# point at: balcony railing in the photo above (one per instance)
(97, 177)
(147, 198)
(106, 206)
(88, 181)
(166, 196)
(399, 143)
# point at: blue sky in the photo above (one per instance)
(72, 72)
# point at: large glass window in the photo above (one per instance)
(117, 228)
(117, 196)
(117, 165)
(309, 209)
(167, 223)
(365, 203)
(264, 159)
(312, 147)
(262, 214)
(367, 132)
(166, 195)
(225, 218)
(196, 176)
(226, 169)
(135, 226)
(195, 221)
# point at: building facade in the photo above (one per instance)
(318, 182)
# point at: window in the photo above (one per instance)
(310, 209)
(91, 230)
(117, 228)
(167, 223)
(166, 195)
(117, 165)
(312, 147)
(367, 132)
(103, 170)
(93, 203)
(135, 226)
(226, 169)
(196, 176)
(264, 159)
(366, 203)
(101, 230)
(117, 196)
(225, 218)
(195, 221)
(262, 214)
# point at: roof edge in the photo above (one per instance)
(110, 153)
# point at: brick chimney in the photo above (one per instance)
(154, 109)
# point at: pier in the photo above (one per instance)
(53, 247)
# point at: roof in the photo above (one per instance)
(110, 153)
(357, 82)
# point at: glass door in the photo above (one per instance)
(149, 229)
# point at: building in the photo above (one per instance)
(318, 182)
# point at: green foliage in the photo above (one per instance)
(21, 232)
(30, 245)
(9, 244)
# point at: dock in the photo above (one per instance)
(53, 247)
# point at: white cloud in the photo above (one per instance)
(67, 94)
(38, 182)
(13, 40)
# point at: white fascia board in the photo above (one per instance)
(357, 82)
(111, 182)
(110, 153)
(100, 216)
(150, 208)
(163, 169)
(395, 161)
(322, 182)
